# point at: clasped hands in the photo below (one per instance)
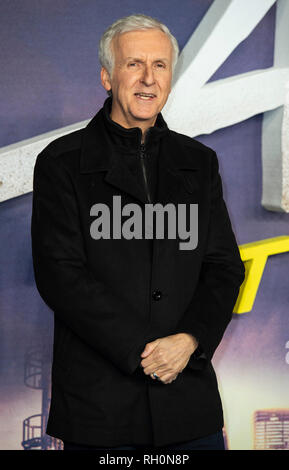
(168, 356)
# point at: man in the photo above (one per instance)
(137, 318)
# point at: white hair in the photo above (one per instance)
(124, 25)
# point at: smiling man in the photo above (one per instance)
(141, 79)
(137, 319)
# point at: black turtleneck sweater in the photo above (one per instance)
(141, 159)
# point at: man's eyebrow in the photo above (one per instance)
(141, 60)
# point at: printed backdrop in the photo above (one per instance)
(50, 79)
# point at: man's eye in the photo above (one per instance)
(160, 65)
(132, 63)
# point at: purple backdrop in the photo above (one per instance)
(50, 79)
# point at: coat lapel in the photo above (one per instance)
(121, 178)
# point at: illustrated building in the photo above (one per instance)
(37, 376)
(271, 429)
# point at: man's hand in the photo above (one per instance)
(168, 356)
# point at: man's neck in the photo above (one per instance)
(143, 125)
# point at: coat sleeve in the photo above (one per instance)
(66, 284)
(222, 273)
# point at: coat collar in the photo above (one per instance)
(99, 153)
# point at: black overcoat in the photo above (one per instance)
(110, 297)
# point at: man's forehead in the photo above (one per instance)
(142, 36)
(132, 45)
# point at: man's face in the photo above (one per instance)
(141, 79)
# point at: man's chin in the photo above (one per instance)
(144, 116)
(144, 111)
(144, 119)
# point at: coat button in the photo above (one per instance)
(157, 295)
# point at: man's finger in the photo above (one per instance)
(149, 348)
(167, 379)
(153, 361)
(157, 367)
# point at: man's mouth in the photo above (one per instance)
(145, 96)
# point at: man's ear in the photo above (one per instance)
(105, 79)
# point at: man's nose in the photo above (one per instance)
(148, 76)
